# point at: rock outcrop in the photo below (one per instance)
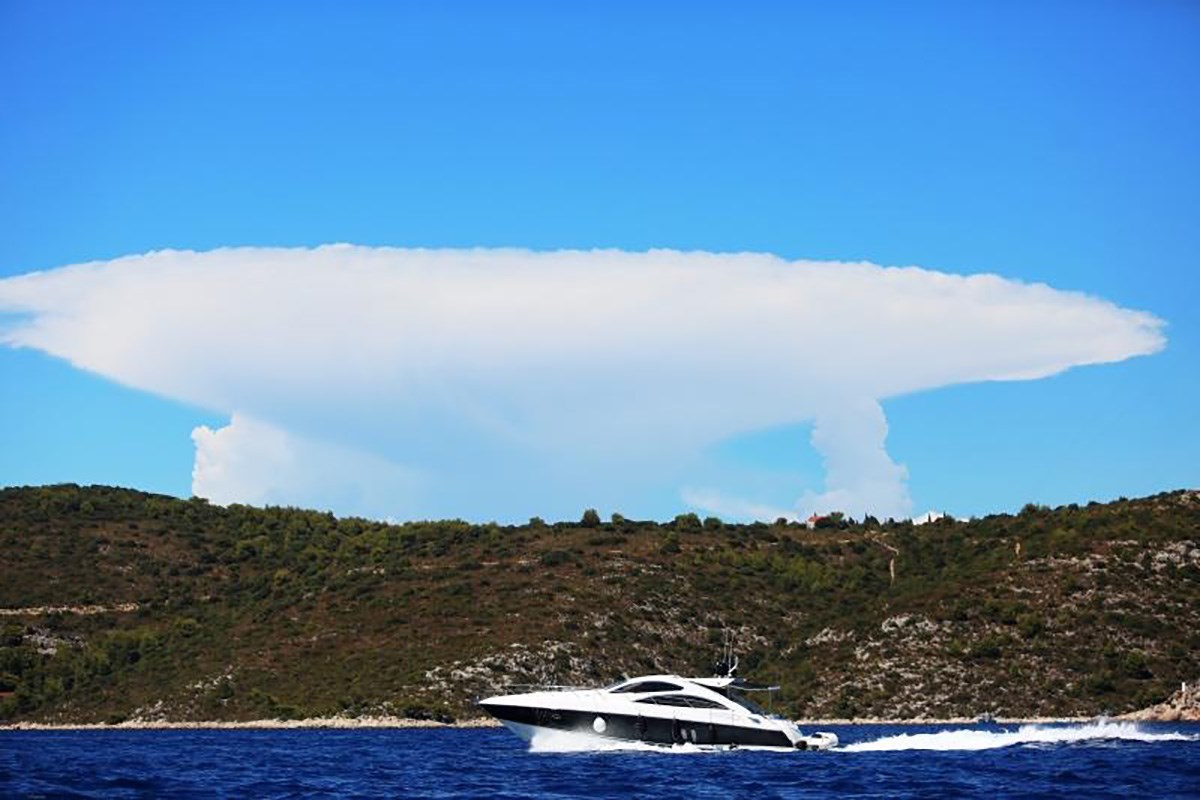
(1183, 706)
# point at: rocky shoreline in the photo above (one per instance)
(256, 724)
(482, 722)
(1183, 706)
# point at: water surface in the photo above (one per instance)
(1095, 760)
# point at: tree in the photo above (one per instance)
(591, 519)
(835, 519)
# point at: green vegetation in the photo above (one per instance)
(118, 604)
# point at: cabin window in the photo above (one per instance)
(701, 702)
(648, 686)
(681, 701)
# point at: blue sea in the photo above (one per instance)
(1093, 760)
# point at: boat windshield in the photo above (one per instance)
(744, 702)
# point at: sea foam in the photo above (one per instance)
(982, 739)
(552, 741)
(961, 739)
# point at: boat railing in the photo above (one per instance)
(521, 688)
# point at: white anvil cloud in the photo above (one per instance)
(525, 381)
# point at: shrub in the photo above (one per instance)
(1030, 625)
(554, 558)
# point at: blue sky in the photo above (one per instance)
(1052, 142)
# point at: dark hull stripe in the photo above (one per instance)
(631, 728)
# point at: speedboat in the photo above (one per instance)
(657, 710)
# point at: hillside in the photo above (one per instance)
(116, 604)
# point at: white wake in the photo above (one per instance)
(960, 739)
(974, 739)
(552, 741)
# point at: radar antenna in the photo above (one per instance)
(727, 666)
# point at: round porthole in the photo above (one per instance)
(599, 725)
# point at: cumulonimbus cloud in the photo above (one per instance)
(518, 382)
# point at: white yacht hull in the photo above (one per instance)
(608, 717)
